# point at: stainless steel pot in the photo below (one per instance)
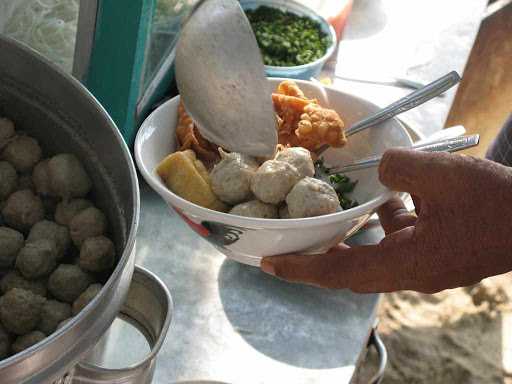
(65, 117)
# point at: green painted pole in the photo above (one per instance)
(115, 69)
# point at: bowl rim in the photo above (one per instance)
(322, 20)
(206, 214)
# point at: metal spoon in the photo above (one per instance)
(221, 79)
(406, 103)
(443, 134)
(449, 145)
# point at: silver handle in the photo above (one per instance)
(450, 145)
(148, 307)
(378, 344)
(408, 83)
(408, 102)
(392, 81)
(444, 134)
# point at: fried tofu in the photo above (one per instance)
(186, 176)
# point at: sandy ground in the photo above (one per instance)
(462, 335)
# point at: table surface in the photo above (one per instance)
(416, 39)
(234, 324)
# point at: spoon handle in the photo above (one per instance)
(450, 145)
(410, 101)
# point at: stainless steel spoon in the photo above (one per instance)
(406, 103)
(449, 145)
(221, 79)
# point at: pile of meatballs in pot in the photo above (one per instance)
(54, 252)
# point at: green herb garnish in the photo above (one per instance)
(286, 39)
(342, 184)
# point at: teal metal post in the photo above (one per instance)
(114, 74)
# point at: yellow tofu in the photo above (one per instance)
(186, 176)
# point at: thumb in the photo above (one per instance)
(388, 266)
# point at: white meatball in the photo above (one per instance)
(255, 208)
(273, 180)
(300, 158)
(231, 177)
(22, 210)
(90, 222)
(66, 210)
(97, 254)
(23, 152)
(50, 230)
(67, 176)
(311, 197)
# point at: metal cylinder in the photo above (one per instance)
(64, 117)
(148, 307)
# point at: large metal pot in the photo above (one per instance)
(65, 117)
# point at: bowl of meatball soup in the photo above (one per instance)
(249, 208)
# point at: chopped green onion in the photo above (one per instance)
(287, 39)
(342, 184)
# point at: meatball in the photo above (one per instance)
(22, 210)
(300, 158)
(273, 180)
(26, 341)
(52, 313)
(284, 213)
(50, 230)
(90, 222)
(68, 209)
(37, 258)
(8, 179)
(311, 197)
(20, 310)
(86, 297)
(97, 254)
(67, 282)
(23, 152)
(5, 343)
(6, 131)
(14, 280)
(231, 177)
(41, 179)
(255, 208)
(68, 177)
(11, 242)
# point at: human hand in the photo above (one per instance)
(460, 235)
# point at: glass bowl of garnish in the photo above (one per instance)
(294, 40)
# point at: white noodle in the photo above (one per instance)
(48, 26)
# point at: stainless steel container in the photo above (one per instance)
(65, 117)
(148, 308)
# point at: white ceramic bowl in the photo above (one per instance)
(247, 240)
